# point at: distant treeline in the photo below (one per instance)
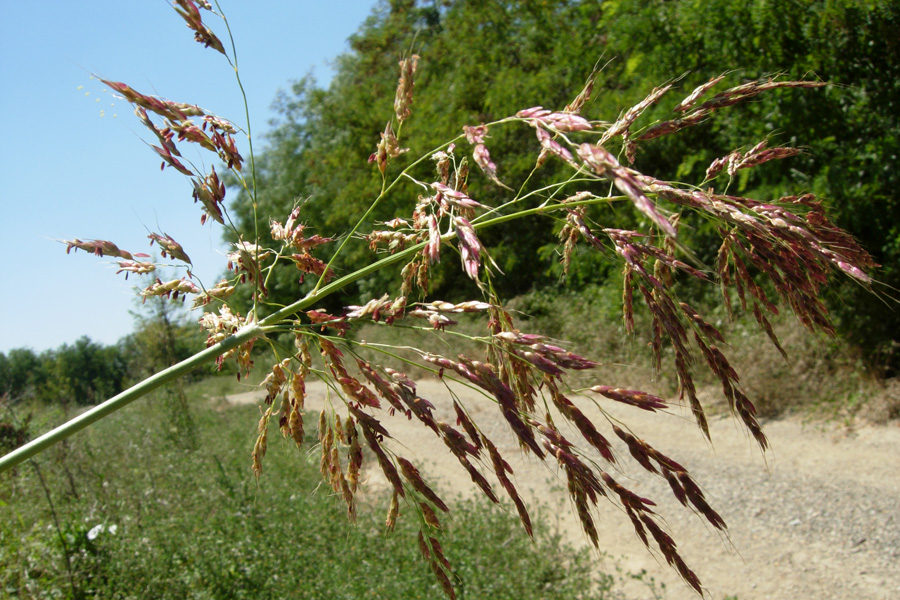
(88, 372)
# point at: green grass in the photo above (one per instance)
(190, 521)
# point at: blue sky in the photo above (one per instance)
(74, 163)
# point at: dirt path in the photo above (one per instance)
(817, 518)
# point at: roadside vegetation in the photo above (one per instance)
(139, 507)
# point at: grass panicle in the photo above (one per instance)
(786, 246)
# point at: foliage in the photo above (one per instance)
(849, 132)
(156, 521)
(85, 372)
(88, 372)
(164, 335)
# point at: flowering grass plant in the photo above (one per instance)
(775, 250)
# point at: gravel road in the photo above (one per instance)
(816, 517)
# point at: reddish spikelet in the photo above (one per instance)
(627, 497)
(627, 302)
(210, 192)
(463, 419)
(727, 98)
(456, 441)
(349, 499)
(568, 235)
(99, 247)
(130, 266)
(354, 454)
(677, 488)
(507, 401)
(438, 564)
(394, 240)
(246, 260)
(583, 96)
(636, 254)
(387, 467)
(353, 388)
(482, 158)
(605, 164)
(412, 475)
(710, 332)
(575, 222)
(538, 117)
(638, 526)
(670, 553)
(669, 127)
(747, 412)
(550, 146)
(259, 448)
(276, 379)
(696, 497)
(191, 15)
(742, 92)
(368, 422)
(697, 93)
(636, 398)
(169, 247)
(438, 552)
(477, 478)
(582, 476)
(406, 391)
(424, 548)
(639, 450)
(767, 327)
(429, 516)
(381, 386)
(484, 377)
(393, 512)
(374, 308)
(584, 425)
(759, 154)
(307, 263)
(164, 108)
(388, 147)
(295, 425)
(404, 97)
(169, 289)
(622, 126)
(686, 385)
(580, 500)
(326, 466)
(453, 198)
(501, 468)
(470, 248)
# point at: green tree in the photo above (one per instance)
(850, 130)
(85, 372)
(19, 373)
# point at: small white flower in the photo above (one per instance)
(94, 532)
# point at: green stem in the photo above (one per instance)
(40, 444)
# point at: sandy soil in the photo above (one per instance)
(817, 517)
